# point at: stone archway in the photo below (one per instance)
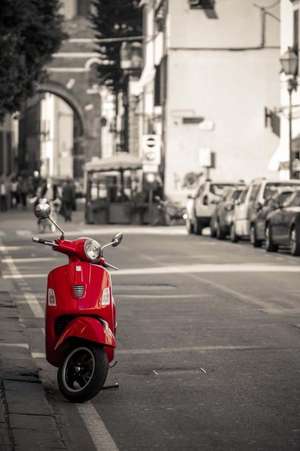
(87, 115)
(60, 91)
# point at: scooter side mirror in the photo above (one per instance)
(116, 240)
(42, 210)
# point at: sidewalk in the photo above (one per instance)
(27, 422)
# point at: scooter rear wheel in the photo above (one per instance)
(83, 373)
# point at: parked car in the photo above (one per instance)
(202, 204)
(283, 225)
(221, 219)
(258, 227)
(259, 191)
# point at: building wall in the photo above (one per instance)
(224, 70)
(8, 143)
(223, 90)
(238, 24)
(287, 34)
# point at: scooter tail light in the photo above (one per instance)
(78, 291)
(105, 299)
(51, 298)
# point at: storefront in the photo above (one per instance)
(114, 191)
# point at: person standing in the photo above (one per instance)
(14, 192)
(68, 200)
(3, 195)
(24, 188)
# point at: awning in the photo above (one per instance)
(120, 162)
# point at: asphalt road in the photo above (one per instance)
(208, 342)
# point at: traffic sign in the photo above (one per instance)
(151, 145)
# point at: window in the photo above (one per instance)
(208, 6)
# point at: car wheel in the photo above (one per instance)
(253, 238)
(199, 227)
(189, 226)
(220, 234)
(270, 245)
(294, 242)
(233, 236)
(213, 231)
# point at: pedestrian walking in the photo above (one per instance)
(3, 195)
(23, 188)
(14, 193)
(68, 200)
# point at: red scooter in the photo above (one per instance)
(80, 314)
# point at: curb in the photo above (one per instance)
(27, 421)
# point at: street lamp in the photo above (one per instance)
(289, 65)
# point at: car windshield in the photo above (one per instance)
(219, 188)
(271, 189)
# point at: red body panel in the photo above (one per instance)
(85, 309)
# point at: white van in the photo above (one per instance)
(201, 205)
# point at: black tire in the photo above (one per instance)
(189, 226)
(199, 227)
(220, 233)
(233, 236)
(270, 245)
(80, 385)
(294, 242)
(253, 237)
(212, 225)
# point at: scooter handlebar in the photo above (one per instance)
(36, 239)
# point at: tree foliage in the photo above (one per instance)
(30, 31)
(114, 19)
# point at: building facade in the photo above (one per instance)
(210, 70)
(289, 146)
(71, 121)
(8, 147)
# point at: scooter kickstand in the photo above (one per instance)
(108, 387)
(113, 364)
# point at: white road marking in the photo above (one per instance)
(27, 260)
(126, 230)
(29, 297)
(24, 233)
(41, 355)
(162, 296)
(34, 304)
(186, 269)
(13, 248)
(98, 432)
(14, 345)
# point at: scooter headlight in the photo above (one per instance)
(92, 250)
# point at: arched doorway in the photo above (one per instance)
(63, 155)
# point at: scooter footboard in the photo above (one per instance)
(88, 329)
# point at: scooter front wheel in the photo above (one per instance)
(83, 373)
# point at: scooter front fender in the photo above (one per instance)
(88, 329)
